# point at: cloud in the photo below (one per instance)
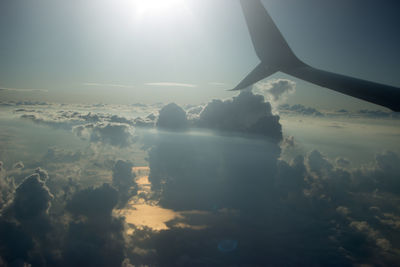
(276, 90)
(239, 202)
(15, 244)
(378, 114)
(107, 85)
(342, 162)
(18, 165)
(309, 197)
(22, 90)
(288, 142)
(246, 113)
(55, 155)
(7, 187)
(94, 203)
(184, 167)
(364, 227)
(172, 117)
(299, 109)
(123, 181)
(114, 134)
(171, 84)
(32, 197)
(98, 240)
(217, 84)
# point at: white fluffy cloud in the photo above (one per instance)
(276, 90)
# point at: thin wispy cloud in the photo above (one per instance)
(107, 85)
(22, 90)
(171, 84)
(219, 84)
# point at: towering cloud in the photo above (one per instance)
(172, 117)
(246, 113)
(32, 197)
(123, 180)
(275, 90)
(98, 239)
(7, 186)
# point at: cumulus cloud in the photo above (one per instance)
(275, 90)
(94, 203)
(98, 240)
(89, 236)
(183, 167)
(246, 113)
(308, 195)
(342, 162)
(238, 202)
(7, 186)
(114, 134)
(123, 180)
(288, 142)
(18, 165)
(32, 197)
(172, 117)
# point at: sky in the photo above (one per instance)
(121, 146)
(185, 51)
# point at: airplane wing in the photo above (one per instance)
(380, 94)
(259, 73)
(276, 55)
